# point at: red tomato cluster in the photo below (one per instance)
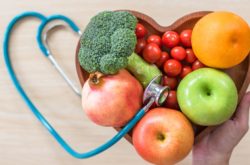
(172, 53)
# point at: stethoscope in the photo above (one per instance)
(154, 93)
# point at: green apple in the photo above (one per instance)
(207, 96)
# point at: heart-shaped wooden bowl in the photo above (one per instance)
(240, 73)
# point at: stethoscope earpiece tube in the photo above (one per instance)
(33, 108)
(47, 53)
(70, 23)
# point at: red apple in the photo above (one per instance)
(111, 100)
(163, 136)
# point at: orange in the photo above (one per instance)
(221, 39)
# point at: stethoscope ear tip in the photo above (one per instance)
(80, 33)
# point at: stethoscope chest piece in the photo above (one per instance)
(156, 91)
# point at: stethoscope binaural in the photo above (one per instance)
(154, 93)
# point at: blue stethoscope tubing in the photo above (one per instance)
(33, 108)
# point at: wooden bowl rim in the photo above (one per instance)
(174, 25)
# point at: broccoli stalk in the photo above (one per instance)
(107, 45)
(143, 71)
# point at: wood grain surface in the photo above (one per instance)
(22, 138)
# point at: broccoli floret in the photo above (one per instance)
(86, 53)
(107, 45)
(124, 19)
(127, 38)
(99, 25)
(112, 63)
(108, 34)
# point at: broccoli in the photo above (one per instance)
(107, 45)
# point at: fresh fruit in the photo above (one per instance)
(163, 59)
(140, 45)
(221, 39)
(197, 65)
(140, 31)
(170, 39)
(152, 53)
(185, 71)
(171, 101)
(178, 53)
(172, 67)
(190, 56)
(171, 82)
(124, 91)
(163, 136)
(207, 96)
(154, 39)
(185, 37)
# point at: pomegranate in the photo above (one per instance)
(111, 100)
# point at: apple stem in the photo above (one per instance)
(161, 137)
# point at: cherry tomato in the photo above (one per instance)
(171, 82)
(190, 57)
(178, 53)
(172, 67)
(163, 59)
(152, 53)
(185, 71)
(170, 39)
(155, 39)
(171, 101)
(197, 65)
(185, 37)
(140, 31)
(140, 45)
